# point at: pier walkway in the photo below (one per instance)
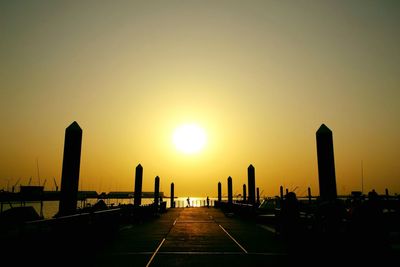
(194, 237)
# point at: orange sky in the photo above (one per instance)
(260, 77)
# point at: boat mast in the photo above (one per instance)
(362, 178)
(37, 165)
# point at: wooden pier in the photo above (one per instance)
(194, 237)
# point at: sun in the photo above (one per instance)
(189, 138)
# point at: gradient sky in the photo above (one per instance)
(259, 76)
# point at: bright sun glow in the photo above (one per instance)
(189, 138)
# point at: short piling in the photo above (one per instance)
(138, 186)
(230, 199)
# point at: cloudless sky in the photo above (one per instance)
(259, 76)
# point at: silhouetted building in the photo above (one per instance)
(70, 169)
(244, 192)
(326, 164)
(31, 192)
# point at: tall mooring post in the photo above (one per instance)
(172, 195)
(251, 180)
(281, 192)
(156, 191)
(244, 193)
(258, 196)
(309, 195)
(70, 170)
(137, 201)
(326, 164)
(230, 199)
(219, 192)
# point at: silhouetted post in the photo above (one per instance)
(156, 190)
(230, 199)
(387, 193)
(309, 195)
(138, 185)
(219, 192)
(251, 180)
(289, 220)
(172, 195)
(326, 164)
(70, 169)
(287, 191)
(244, 192)
(258, 195)
(281, 191)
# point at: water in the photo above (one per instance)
(50, 208)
